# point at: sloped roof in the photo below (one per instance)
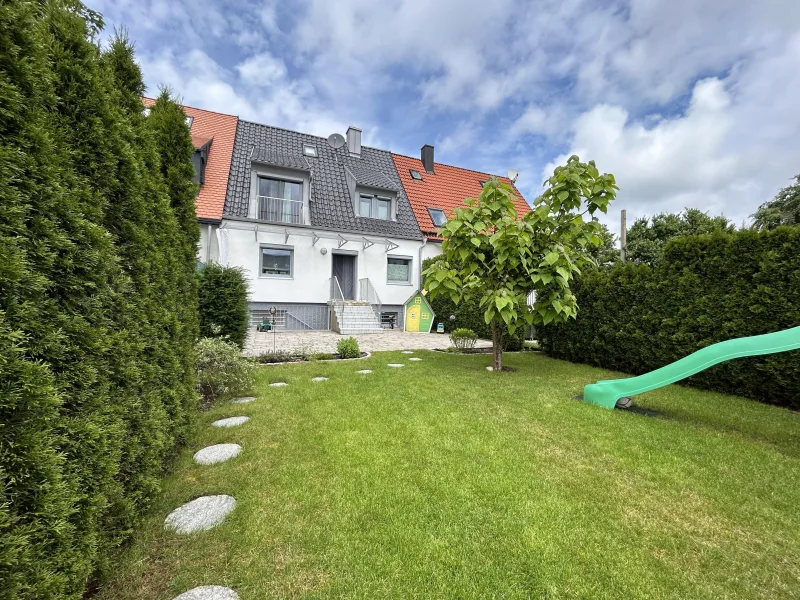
(331, 204)
(446, 188)
(220, 130)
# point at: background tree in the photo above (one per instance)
(783, 209)
(606, 251)
(647, 238)
(489, 252)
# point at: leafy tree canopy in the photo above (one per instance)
(783, 209)
(489, 252)
(647, 238)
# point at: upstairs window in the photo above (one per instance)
(437, 216)
(415, 174)
(375, 207)
(280, 200)
(309, 150)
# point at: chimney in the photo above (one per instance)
(354, 140)
(427, 158)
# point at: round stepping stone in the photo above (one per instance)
(200, 514)
(396, 365)
(319, 379)
(243, 400)
(406, 352)
(490, 368)
(216, 454)
(278, 384)
(231, 422)
(364, 371)
(209, 592)
(414, 358)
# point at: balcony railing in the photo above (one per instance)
(280, 210)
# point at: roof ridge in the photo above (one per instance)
(182, 105)
(319, 137)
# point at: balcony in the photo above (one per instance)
(280, 210)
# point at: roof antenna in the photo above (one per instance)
(336, 141)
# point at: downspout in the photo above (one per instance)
(208, 244)
(421, 248)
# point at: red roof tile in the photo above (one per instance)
(220, 129)
(446, 189)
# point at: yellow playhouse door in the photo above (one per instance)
(412, 317)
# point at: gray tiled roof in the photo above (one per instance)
(331, 204)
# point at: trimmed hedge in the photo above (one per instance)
(96, 327)
(469, 315)
(222, 296)
(707, 289)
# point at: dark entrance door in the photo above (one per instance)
(344, 269)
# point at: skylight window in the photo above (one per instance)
(189, 121)
(415, 175)
(437, 216)
(483, 183)
(309, 150)
(146, 111)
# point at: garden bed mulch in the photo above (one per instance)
(299, 358)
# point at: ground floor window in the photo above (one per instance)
(398, 270)
(277, 262)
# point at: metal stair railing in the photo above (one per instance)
(337, 298)
(367, 293)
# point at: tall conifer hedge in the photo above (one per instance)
(706, 289)
(97, 296)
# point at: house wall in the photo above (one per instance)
(308, 289)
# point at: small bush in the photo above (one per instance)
(280, 356)
(320, 356)
(222, 297)
(463, 339)
(348, 348)
(221, 369)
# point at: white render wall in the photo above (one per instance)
(208, 249)
(310, 282)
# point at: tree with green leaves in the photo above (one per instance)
(492, 253)
(648, 238)
(783, 209)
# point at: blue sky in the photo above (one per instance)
(689, 103)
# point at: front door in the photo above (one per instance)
(344, 269)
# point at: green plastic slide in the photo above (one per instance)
(606, 393)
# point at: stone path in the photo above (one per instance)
(216, 454)
(259, 342)
(231, 422)
(319, 379)
(243, 400)
(200, 514)
(209, 592)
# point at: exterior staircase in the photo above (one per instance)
(350, 317)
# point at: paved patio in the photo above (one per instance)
(325, 341)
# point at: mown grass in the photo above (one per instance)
(443, 480)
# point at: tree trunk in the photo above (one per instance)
(497, 347)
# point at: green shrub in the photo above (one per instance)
(221, 370)
(706, 289)
(348, 348)
(97, 323)
(320, 356)
(463, 339)
(222, 297)
(279, 356)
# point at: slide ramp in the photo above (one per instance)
(606, 393)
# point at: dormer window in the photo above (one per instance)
(309, 150)
(437, 216)
(374, 207)
(415, 175)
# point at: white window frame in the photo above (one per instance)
(410, 260)
(261, 273)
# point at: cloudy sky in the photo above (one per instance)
(689, 103)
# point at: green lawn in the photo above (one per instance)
(443, 480)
